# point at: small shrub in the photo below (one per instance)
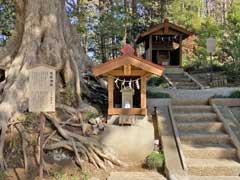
(3, 175)
(151, 94)
(232, 71)
(155, 160)
(155, 81)
(235, 94)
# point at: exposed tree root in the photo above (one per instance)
(3, 164)
(45, 36)
(85, 147)
(20, 130)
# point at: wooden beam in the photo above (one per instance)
(143, 92)
(127, 70)
(165, 28)
(131, 111)
(110, 92)
(152, 30)
(150, 47)
(145, 66)
(133, 73)
(123, 60)
(108, 66)
(180, 51)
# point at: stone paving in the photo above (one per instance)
(195, 94)
(135, 176)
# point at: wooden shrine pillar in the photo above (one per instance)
(180, 51)
(143, 92)
(150, 48)
(110, 92)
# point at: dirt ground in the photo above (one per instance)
(67, 170)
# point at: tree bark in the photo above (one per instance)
(43, 35)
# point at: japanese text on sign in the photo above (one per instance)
(42, 89)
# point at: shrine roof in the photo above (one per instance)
(164, 27)
(128, 58)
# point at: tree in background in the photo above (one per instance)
(232, 42)
(43, 34)
(105, 25)
(7, 20)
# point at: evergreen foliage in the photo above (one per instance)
(7, 20)
(106, 25)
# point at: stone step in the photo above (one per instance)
(188, 84)
(198, 138)
(173, 70)
(214, 178)
(190, 101)
(135, 176)
(196, 117)
(180, 79)
(192, 109)
(210, 151)
(213, 167)
(207, 127)
(175, 74)
(195, 87)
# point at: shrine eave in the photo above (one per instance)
(120, 61)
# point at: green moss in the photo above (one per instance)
(89, 115)
(70, 95)
(3, 175)
(155, 160)
(86, 175)
(64, 176)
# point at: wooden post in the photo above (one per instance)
(110, 92)
(150, 48)
(143, 92)
(180, 51)
(165, 30)
(42, 125)
(127, 69)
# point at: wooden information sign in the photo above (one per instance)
(42, 79)
(42, 89)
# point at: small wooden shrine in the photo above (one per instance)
(163, 43)
(127, 76)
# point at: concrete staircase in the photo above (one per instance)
(181, 81)
(207, 148)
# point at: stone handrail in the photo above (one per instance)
(194, 80)
(169, 81)
(173, 162)
(229, 130)
(177, 138)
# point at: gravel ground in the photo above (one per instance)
(195, 94)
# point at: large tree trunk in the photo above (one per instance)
(43, 35)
